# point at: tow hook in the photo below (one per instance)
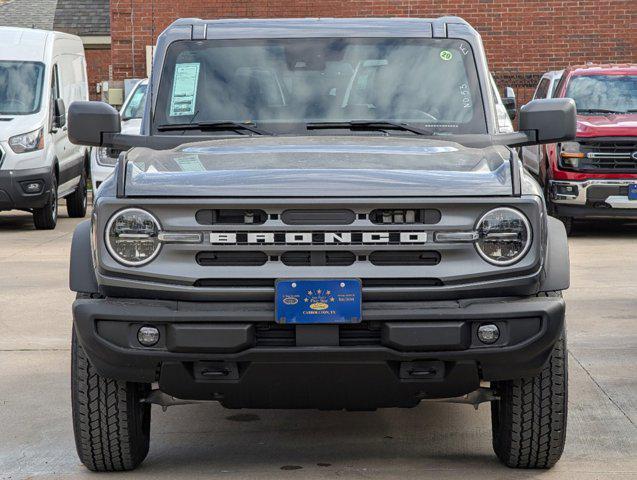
(475, 398)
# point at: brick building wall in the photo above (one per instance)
(523, 38)
(98, 61)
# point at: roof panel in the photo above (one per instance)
(83, 17)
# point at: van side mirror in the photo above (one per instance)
(59, 113)
(89, 122)
(553, 119)
(510, 103)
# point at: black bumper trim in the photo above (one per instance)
(521, 352)
(12, 196)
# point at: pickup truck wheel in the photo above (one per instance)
(111, 425)
(568, 224)
(46, 218)
(529, 419)
(77, 202)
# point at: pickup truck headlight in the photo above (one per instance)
(103, 157)
(132, 237)
(27, 142)
(570, 154)
(504, 236)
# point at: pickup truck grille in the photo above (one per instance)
(616, 156)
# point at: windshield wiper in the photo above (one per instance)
(369, 125)
(596, 110)
(222, 125)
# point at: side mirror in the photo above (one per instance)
(552, 120)
(59, 113)
(509, 102)
(89, 122)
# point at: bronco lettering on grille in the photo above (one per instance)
(318, 238)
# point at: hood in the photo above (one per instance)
(11, 125)
(613, 125)
(319, 166)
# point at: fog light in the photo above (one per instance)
(567, 190)
(148, 336)
(32, 187)
(488, 333)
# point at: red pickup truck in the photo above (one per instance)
(594, 176)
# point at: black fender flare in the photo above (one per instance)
(557, 267)
(82, 272)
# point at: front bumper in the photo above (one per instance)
(593, 198)
(12, 193)
(99, 172)
(401, 353)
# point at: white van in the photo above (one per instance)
(41, 73)
(103, 159)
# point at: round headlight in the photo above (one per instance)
(132, 237)
(504, 236)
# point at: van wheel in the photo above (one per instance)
(111, 425)
(77, 202)
(529, 419)
(46, 218)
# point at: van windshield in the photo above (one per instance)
(20, 87)
(604, 93)
(285, 84)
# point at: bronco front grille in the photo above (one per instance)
(616, 155)
(313, 239)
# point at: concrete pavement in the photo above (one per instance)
(434, 440)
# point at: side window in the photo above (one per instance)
(559, 85)
(55, 83)
(556, 83)
(55, 91)
(542, 89)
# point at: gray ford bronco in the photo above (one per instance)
(323, 214)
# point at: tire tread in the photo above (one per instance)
(111, 425)
(529, 420)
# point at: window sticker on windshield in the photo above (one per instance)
(190, 163)
(446, 55)
(184, 89)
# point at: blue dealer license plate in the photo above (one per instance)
(632, 191)
(318, 301)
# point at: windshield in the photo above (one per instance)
(20, 87)
(604, 93)
(284, 84)
(135, 106)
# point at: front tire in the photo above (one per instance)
(77, 202)
(529, 419)
(46, 218)
(111, 425)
